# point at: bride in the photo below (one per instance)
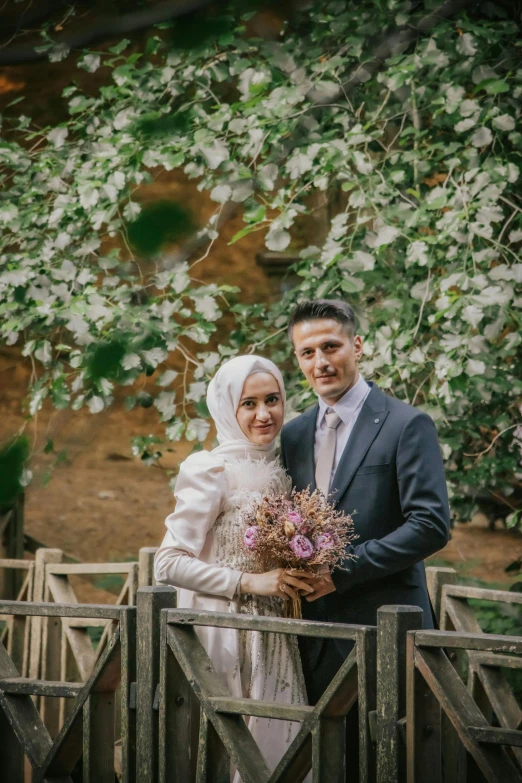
(202, 552)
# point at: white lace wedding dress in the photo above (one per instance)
(202, 555)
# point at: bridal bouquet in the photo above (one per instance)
(304, 532)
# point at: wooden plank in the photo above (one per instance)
(40, 687)
(45, 609)
(98, 738)
(260, 709)
(213, 763)
(78, 638)
(150, 602)
(495, 685)
(23, 565)
(67, 748)
(329, 751)
(232, 729)
(497, 735)
(450, 691)
(497, 660)
(456, 759)
(484, 594)
(128, 677)
(245, 622)
(51, 670)
(366, 652)
(146, 566)
(470, 641)
(176, 719)
(393, 623)
(22, 715)
(436, 578)
(84, 569)
(69, 672)
(336, 701)
(33, 609)
(423, 724)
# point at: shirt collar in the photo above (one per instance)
(349, 402)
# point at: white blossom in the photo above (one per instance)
(475, 367)
(482, 137)
(57, 136)
(504, 122)
(277, 239)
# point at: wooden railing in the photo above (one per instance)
(435, 690)
(441, 712)
(88, 732)
(188, 682)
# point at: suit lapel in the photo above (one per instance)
(369, 422)
(306, 455)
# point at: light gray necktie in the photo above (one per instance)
(325, 458)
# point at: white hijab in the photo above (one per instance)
(223, 396)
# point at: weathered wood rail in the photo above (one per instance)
(188, 681)
(434, 690)
(87, 733)
(434, 706)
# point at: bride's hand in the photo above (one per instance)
(281, 582)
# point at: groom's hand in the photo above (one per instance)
(322, 584)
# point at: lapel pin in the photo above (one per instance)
(377, 421)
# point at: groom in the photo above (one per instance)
(380, 460)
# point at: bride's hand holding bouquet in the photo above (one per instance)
(298, 539)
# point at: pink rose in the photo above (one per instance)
(325, 541)
(295, 517)
(251, 536)
(302, 546)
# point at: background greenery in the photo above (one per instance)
(401, 126)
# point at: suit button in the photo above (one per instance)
(377, 421)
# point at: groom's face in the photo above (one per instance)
(328, 356)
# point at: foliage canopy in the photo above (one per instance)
(420, 166)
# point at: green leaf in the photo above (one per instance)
(492, 86)
(158, 224)
(104, 360)
(13, 458)
(119, 47)
(243, 233)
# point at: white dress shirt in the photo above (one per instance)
(348, 409)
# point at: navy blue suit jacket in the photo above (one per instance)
(390, 478)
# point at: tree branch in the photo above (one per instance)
(390, 44)
(109, 27)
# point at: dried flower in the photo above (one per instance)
(302, 547)
(289, 528)
(301, 531)
(251, 534)
(325, 541)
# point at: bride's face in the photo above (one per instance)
(260, 412)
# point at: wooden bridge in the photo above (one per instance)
(125, 691)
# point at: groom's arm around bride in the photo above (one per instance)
(380, 460)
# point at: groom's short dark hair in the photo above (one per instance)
(313, 309)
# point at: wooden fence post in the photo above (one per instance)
(150, 602)
(423, 726)
(42, 557)
(453, 751)
(12, 546)
(146, 566)
(393, 624)
(436, 579)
